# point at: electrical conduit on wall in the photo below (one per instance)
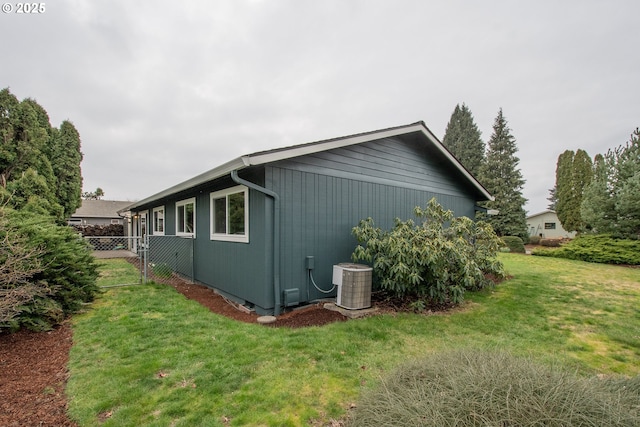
(276, 234)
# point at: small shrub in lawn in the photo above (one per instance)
(601, 248)
(534, 240)
(477, 388)
(551, 243)
(430, 262)
(514, 243)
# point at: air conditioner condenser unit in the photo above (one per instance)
(354, 285)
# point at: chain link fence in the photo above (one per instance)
(112, 243)
(168, 258)
(126, 247)
(162, 259)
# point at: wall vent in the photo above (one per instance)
(291, 297)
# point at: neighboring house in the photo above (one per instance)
(98, 212)
(547, 225)
(252, 222)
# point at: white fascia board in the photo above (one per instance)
(210, 175)
(453, 160)
(268, 157)
(305, 149)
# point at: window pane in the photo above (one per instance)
(220, 216)
(158, 220)
(188, 222)
(236, 213)
(181, 219)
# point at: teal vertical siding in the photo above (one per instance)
(319, 212)
(322, 197)
(326, 194)
(241, 270)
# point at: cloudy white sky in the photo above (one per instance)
(161, 91)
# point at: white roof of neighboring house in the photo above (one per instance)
(263, 157)
(100, 209)
(541, 213)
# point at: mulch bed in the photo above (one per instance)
(33, 376)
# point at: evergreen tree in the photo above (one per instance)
(502, 178)
(462, 139)
(563, 183)
(66, 157)
(611, 203)
(627, 188)
(573, 174)
(36, 160)
(598, 204)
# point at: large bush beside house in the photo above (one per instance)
(601, 248)
(46, 270)
(430, 263)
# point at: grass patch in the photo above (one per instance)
(145, 355)
(117, 271)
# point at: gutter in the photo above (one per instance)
(276, 235)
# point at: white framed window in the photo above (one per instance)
(186, 217)
(230, 214)
(158, 221)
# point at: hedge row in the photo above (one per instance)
(601, 248)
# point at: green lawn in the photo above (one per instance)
(145, 355)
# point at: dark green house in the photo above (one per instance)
(251, 223)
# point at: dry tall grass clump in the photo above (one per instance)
(478, 388)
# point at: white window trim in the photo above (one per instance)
(183, 203)
(164, 222)
(240, 238)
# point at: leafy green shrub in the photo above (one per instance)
(55, 274)
(534, 240)
(514, 243)
(430, 262)
(475, 388)
(600, 248)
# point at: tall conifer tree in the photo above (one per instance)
(66, 157)
(38, 164)
(611, 203)
(574, 172)
(462, 139)
(598, 204)
(502, 178)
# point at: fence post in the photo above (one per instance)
(145, 251)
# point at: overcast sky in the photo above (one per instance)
(161, 91)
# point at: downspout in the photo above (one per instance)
(276, 234)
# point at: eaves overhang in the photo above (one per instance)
(269, 156)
